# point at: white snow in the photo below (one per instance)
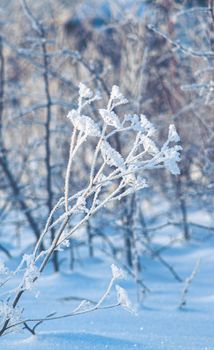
(159, 324)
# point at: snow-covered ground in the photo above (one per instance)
(159, 323)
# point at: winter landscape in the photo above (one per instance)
(106, 174)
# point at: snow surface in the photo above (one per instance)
(159, 324)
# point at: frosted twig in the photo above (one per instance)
(187, 283)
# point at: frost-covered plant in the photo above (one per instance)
(187, 283)
(112, 176)
(123, 299)
(85, 306)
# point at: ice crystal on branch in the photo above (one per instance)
(117, 273)
(149, 146)
(147, 126)
(172, 156)
(63, 245)
(3, 269)
(173, 135)
(8, 312)
(111, 156)
(116, 98)
(110, 118)
(123, 299)
(85, 305)
(84, 91)
(31, 272)
(84, 123)
(116, 95)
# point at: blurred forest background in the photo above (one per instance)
(160, 53)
